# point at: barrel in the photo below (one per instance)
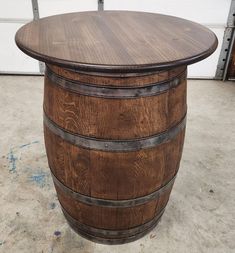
(114, 143)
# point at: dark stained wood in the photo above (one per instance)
(117, 80)
(108, 175)
(112, 218)
(90, 116)
(119, 41)
(114, 175)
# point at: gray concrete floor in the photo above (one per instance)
(200, 215)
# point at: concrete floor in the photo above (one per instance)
(200, 216)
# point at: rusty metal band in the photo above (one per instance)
(108, 236)
(114, 92)
(112, 203)
(114, 145)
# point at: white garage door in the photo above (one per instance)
(14, 13)
(11, 19)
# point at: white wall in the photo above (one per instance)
(12, 60)
(14, 14)
(202, 11)
(53, 7)
(16, 9)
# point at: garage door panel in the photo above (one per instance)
(53, 7)
(16, 9)
(12, 59)
(202, 11)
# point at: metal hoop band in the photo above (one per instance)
(114, 92)
(112, 203)
(112, 236)
(115, 145)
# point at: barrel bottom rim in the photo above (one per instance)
(110, 241)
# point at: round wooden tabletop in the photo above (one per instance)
(120, 41)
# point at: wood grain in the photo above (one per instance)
(120, 41)
(108, 175)
(113, 118)
(118, 80)
(112, 218)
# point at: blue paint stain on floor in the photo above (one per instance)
(12, 157)
(52, 205)
(39, 178)
(25, 145)
(34, 142)
(12, 161)
(28, 144)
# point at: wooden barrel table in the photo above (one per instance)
(114, 113)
